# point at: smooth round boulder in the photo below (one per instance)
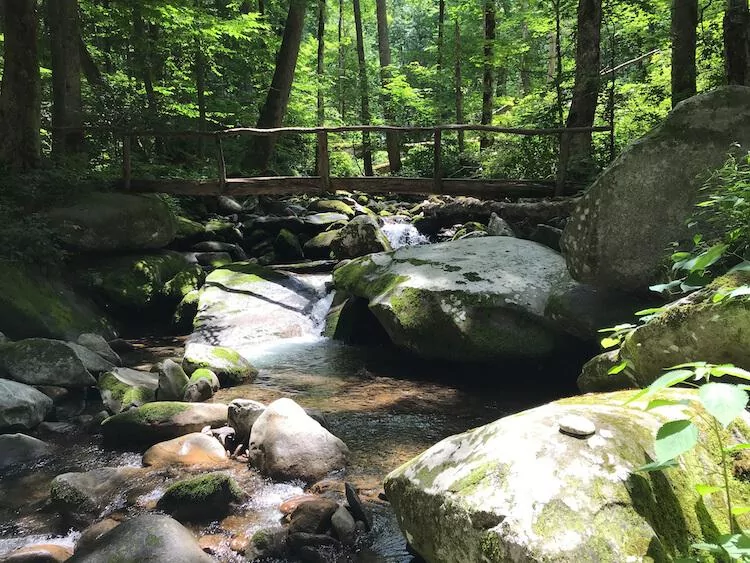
(312, 517)
(41, 361)
(160, 421)
(149, 538)
(124, 388)
(202, 498)
(196, 449)
(286, 443)
(172, 381)
(227, 364)
(21, 407)
(361, 236)
(39, 553)
(19, 448)
(98, 344)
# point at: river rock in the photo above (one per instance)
(21, 407)
(344, 526)
(172, 381)
(595, 376)
(92, 534)
(160, 421)
(656, 180)
(312, 517)
(198, 392)
(123, 388)
(80, 497)
(321, 221)
(361, 236)
(498, 227)
(243, 413)
(149, 538)
(40, 361)
(19, 448)
(106, 222)
(206, 374)
(228, 366)
(92, 361)
(358, 510)
(202, 498)
(287, 246)
(139, 282)
(191, 449)
(244, 304)
(469, 300)
(518, 490)
(333, 206)
(319, 247)
(184, 315)
(188, 232)
(286, 443)
(39, 553)
(98, 344)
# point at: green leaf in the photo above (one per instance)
(736, 545)
(729, 369)
(656, 403)
(609, 342)
(706, 259)
(710, 547)
(736, 448)
(651, 311)
(723, 401)
(618, 368)
(674, 439)
(657, 466)
(703, 490)
(740, 510)
(741, 267)
(669, 379)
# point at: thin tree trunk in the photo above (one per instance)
(488, 90)
(441, 35)
(20, 101)
(684, 24)
(89, 68)
(552, 58)
(363, 89)
(525, 63)
(459, 85)
(586, 89)
(277, 100)
(737, 42)
(67, 112)
(321, 59)
(340, 79)
(558, 63)
(384, 50)
(144, 63)
(200, 89)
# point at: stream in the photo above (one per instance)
(386, 406)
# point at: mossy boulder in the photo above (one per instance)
(319, 247)
(41, 361)
(21, 407)
(160, 421)
(149, 538)
(19, 448)
(361, 236)
(172, 381)
(202, 498)
(226, 364)
(189, 231)
(469, 300)
(124, 388)
(36, 305)
(208, 375)
(694, 328)
(106, 222)
(244, 304)
(287, 247)
(184, 315)
(333, 206)
(641, 203)
(137, 283)
(519, 490)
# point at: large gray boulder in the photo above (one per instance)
(519, 490)
(123, 388)
(21, 407)
(149, 538)
(39, 361)
(105, 222)
(468, 300)
(286, 443)
(618, 234)
(361, 236)
(20, 448)
(243, 304)
(32, 305)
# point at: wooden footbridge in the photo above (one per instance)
(323, 182)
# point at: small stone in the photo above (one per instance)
(577, 426)
(344, 526)
(356, 507)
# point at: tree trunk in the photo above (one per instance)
(525, 63)
(363, 89)
(459, 85)
(737, 42)
(277, 100)
(384, 50)
(340, 78)
(488, 90)
(321, 58)
(441, 35)
(586, 89)
(200, 89)
(67, 113)
(88, 66)
(20, 101)
(144, 62)
(684, 24)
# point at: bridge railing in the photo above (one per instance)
(325, 182)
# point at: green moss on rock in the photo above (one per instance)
(201, 498)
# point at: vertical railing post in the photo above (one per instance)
(324, 163)
(221, 163)
(562, 165)
(438, 161)
(126, 162)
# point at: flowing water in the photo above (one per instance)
(401, 232)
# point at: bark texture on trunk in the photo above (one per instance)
(384, 50)
(363, 89)
(321, 59)
(586, 90)
(488, 75)
(458, 84)
(684, 37)
(67, 112)
(277, 99)
(737, 42)
(20, 101)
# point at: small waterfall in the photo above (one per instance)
(400, 232)
(319, 312)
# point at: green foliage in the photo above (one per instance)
(723, 403)
(722, 213)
